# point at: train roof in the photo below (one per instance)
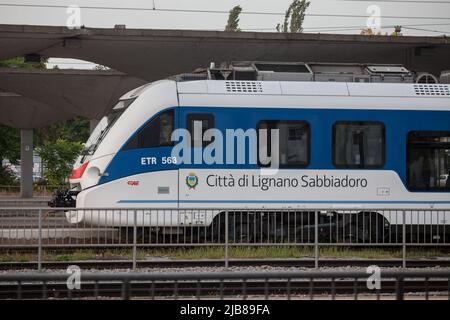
(241, 87)
(312, 72)
(313, 79)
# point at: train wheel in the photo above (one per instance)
(240, 232)
(352, 233)
(143, 235)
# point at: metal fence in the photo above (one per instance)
(45, 228)
(222, 285)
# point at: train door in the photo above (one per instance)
(147, 160)
(192, 174)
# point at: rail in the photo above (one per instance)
(219, 285)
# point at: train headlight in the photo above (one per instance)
(93, 172)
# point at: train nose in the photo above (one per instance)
(74, 216)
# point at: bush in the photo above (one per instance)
(58, 159)
(7, 177)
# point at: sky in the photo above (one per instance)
(107, 18)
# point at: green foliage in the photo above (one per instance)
(9, 149)
(369, 32)
(9, 144)
(293, 19)
(74, 130)
(58, 145)
(58, 157)
(20, 63)
(233, 20)
(7, 177)
(266, 252)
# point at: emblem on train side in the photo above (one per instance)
(192, 180)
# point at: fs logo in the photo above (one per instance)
(191, 180)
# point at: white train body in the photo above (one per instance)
(393, 118)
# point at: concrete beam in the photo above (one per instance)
(155, 54)
(36, 98)
(26, 163)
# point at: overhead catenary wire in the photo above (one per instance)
(427, 30)
(311, 29)
(216, 11)
(352, 27)
(400, 1)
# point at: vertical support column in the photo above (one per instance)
(134, 239)
(316, 239)
(92, 124)
(40, 241)
(226, 239)
(404, 240)
(26, 163)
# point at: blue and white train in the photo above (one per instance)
(360, 137)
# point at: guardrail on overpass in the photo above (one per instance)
(421, 285)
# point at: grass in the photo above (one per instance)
(240, 252)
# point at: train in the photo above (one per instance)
(263, 136)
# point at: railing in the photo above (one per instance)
(390, 285)
(44, 228)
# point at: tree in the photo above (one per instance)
(293, 19)
(9, 149)
(7, 177)
(233, 20)
(367, 32)
(20, 63)
(58, 145)
(58, 158)
(397, 31)
(73, 130)
(9, 144)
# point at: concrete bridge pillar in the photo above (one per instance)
(26, 163)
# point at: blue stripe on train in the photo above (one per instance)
(282, 201)
(398, 123)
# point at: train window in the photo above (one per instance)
(358, 144)
(207, 121)
(156, 133)
(294, 141)
(428, 161)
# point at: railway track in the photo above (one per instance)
(322, 284)
(214, 289)
(300, 263)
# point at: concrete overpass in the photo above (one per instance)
(30, 99)
(155, 54)
(38, 98)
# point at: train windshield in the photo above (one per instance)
(103, 127)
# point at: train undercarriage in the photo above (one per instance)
(292, 227)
